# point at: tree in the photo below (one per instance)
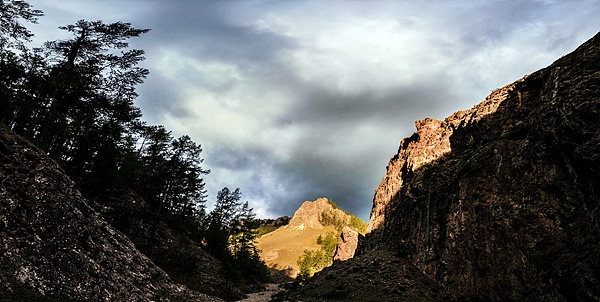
(74, 99)
(311, 262)
(241, 232)
(185, 190)
(183, 194)
(314, 261)
(226, 210)
(90, 89)
(231, 236)
(13, 33)
(13, 54)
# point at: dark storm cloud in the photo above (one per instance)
(322, 105)
(329, 155)
(296, 100)
(211, 31)
(325, 160)
(308, 178)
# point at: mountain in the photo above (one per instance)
(55, 247)
(281, 248)
(496, 203)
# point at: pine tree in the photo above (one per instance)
(90, 90)
(13, 34)
(231, 237)
(14, 69)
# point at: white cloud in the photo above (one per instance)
(356, 53)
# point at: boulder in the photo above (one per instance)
(346, 245)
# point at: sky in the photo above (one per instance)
(294, 100)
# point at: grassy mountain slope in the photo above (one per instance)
(281, 248)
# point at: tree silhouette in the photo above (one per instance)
(91, 89)
(13, 33)
(230, 237)
(74, 98)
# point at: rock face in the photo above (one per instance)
(309, 213)
(501, 202)
(433, 144)
(496, 203)
(346, 245)
(183, 260)
(54, 245)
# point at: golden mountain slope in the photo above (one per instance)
(281, 248)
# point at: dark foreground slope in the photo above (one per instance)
(53, 246)
(499, 202)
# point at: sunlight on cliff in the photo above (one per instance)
(429, 143)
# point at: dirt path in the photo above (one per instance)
(263, 296)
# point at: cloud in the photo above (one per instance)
(295, 100)
(317, 102)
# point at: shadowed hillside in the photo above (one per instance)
(102, 165)
(54, 245)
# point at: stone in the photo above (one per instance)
(346, 245)
(309, 213)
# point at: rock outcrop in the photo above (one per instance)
(346, 245)
(181, 258)
(504, 195)
(376, 276)
(54, 245)
(278, 222)
(309, 214)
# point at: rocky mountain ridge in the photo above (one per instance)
(309, 214)
(430, 142)
(495, 203)
(502, 195)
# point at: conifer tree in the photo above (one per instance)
(13, 67)
(13, 34)
(91, 89)
(231, 235)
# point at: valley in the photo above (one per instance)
(499, 202)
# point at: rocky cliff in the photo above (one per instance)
(54, 246)
(496, 203)
(504, 195)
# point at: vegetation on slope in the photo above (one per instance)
(331, 218)
(281, 248)
(313, 261)
(265, 229)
